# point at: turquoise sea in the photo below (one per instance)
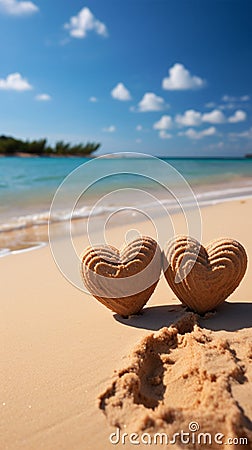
(28, 185)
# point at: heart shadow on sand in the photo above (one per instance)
(228, 316)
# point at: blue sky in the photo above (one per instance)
(165, 77)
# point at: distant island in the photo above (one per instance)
(10, 146)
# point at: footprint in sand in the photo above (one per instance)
(184, 374)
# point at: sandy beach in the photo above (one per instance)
(60, 347)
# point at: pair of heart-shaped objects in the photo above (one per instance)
(201, 277)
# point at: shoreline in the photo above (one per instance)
(33, 234)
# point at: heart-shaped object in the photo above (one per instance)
(202, 278)
(122, 280)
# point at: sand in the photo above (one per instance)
(60, 350)
(184, 378)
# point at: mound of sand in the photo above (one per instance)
(183, 375)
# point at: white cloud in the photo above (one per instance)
(93, 99)
(84, 22)
(15, 82)
(43, 97)
(227, 106)
(193, 134)
(18, 8)
(218, 145)
(190, 118)
(239, 116)
(245, 98)
(165, 123)
(210, 105)
(164, 135)
(232, 102)
(180, 79)
(228, 98)
(232, 99)
(139, 127)
(214, 116)
(110, 129)
(151, 102)
(247, 134)
(120, 92)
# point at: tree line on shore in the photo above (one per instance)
(10, 146)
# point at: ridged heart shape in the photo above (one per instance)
(122, 280)
(202, 278)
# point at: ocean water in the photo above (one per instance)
(28, 186)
